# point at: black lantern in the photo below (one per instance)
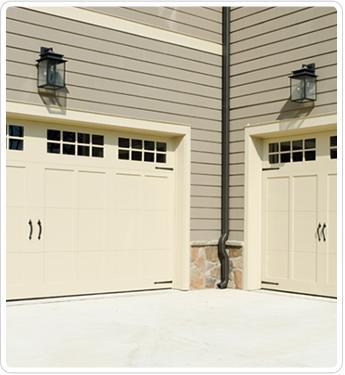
(50, 70)
(303, 84)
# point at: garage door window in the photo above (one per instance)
(292, 151)
(71, 143)
(333, 147)
(142, 150)
(15, 135)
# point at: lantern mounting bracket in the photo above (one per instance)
(309, 66)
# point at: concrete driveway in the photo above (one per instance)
(170, 329)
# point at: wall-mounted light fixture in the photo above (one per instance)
(303, 84)
(50, 70)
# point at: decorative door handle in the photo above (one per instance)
(318, 233)
(30, 235)
(323, 231)
(40, 226)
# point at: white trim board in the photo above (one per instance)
(61, 115)
(115, 23)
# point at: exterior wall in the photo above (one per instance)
(267, 44)
(122, 74)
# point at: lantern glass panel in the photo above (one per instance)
(51, 74)
(55, 72)
(310, 88)
(42, 73)
(297, 88)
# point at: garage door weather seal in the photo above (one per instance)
(222, 255)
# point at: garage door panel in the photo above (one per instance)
(332, 269)
(331, 233)
(278, 234)
(16, 186)
(59, 188)
(59, 229)
(90, 230)
(59, 267)
(156, 229)
(124, 265)
(126, 231)
(304, 232)
(304, 266)
(157, 265)
(91, 266)
(332, 192)
(34, 266)
(91, 189)
(277, 264)
(128, 191)
(278, 194)
(156, 193)
(305, 193)
(17, 229)
(15, 270)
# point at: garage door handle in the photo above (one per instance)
(40, 226)
(30, 235)
(323, 231)
(318, 233)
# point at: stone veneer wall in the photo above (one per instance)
(205, 265)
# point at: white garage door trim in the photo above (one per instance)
(181, 135)
(254, 135)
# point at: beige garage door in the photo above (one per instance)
(88, 211)
(300, 214)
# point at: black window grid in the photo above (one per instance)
(75, 143)
(292, 151)
(142, 150)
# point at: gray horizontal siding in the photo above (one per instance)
(126, 75)
(294, 30)
(197, 22)
(273, 19)
(267, 44)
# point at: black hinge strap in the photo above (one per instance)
(165, 168)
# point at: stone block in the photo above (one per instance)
(238, 279)
(215, 273)
(231, 284)
(194, 252)
(238, 263)
(235, 252)
(200, 262)
(197, 280)
(210, 266)
(210, 282)
(211, 253)
(231, 265)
